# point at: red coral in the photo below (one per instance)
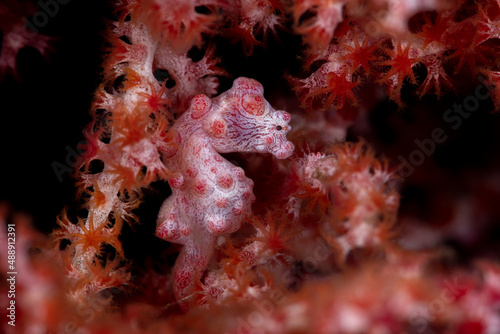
(274, 233)
(178, 23)
(402, 60)
(436, 78)
(332, 84)
(87, 235)
(360, 52)
(305, 185)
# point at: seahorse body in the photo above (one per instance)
(210, 196)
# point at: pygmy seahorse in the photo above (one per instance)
(210, 196)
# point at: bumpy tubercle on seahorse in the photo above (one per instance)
(210, 196)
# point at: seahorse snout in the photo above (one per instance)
(282, 150)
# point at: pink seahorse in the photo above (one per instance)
(210, 196)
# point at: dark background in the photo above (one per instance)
(46, 110)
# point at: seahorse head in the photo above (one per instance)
(242, 120)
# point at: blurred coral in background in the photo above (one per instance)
(324, 166)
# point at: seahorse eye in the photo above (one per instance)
(279, 127)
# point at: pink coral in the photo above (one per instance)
(210, 195)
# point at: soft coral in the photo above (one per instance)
(403, 57)
(317, 30)
(331, 84)
(274, 233)
(178, 23)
